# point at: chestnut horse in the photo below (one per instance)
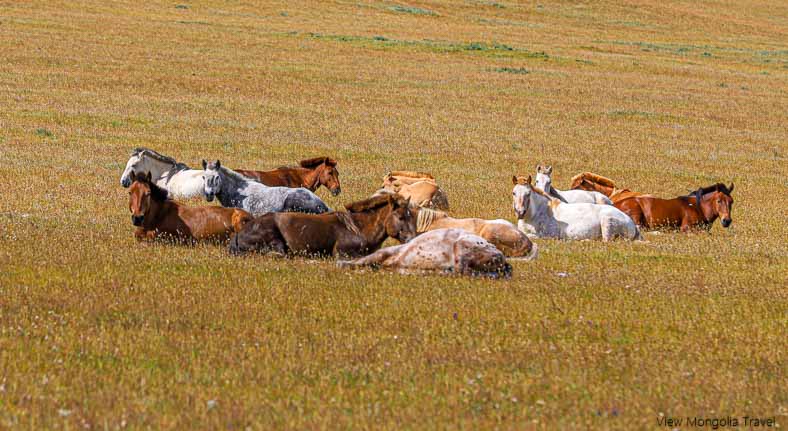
(356, 232)
(592, 182)
(699, 209)
(157, 216)
(311, 174)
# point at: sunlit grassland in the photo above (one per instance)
(97, 330)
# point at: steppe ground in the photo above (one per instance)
(100, 332)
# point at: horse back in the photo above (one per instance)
(309, 233)
(666, 212)
(281, 177)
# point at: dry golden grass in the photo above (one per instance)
(99, 331)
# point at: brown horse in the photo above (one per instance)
(699, 209)
(597, 183)
(356, 232)
(157, 216)
(311, 174)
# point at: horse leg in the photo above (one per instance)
(374, 260)
(262, 235)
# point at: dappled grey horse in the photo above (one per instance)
(237, 191)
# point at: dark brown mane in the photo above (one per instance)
(317, 161)
(368, 204)
(712, 188)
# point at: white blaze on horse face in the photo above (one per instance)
(131, 166)
(521, 195)
(212, 183)
(543, 181)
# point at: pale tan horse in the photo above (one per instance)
(597, 183)
(500, 233)
(420, 187)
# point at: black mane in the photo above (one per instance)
(709, 189)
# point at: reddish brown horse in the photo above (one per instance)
(699, 209)
(311, 174)
(156, 216)
(358, 231)
(592, 182)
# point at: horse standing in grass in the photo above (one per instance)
(180, 181)
(699, 209)
(237, 191)
(358, 231)
(450, 251)
(156, 216)
(311, 174)
(550, 218)
(500, 233)
(544, 181)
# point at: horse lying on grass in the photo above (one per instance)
(699, 209)
(544, 180)
(237, 191)
(180, 181)
(156, 216)
(311, 174)
(590, 181)
(500, 233)
(420, 187)
(546, 217)
(357, 232)
(451, 251)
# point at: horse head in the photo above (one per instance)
(722, 204)
(400, 223)
(143, 196)
(329, 176)
(521, 195)
(212, 179)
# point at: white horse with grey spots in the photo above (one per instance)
(237, 191)
(547, 217)
(180, 181)
(544, 180)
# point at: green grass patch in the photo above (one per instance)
(513, 70)
(412, 10)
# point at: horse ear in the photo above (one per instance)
(148, 177)
(548, 170)
(730, 188)
(528, 180)
(218, 164)
(514, 179)
(204, 164)
(538, 169)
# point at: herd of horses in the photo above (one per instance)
(277, 212)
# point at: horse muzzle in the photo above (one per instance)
(726, 222)
(209, 197)
(520, 214)
(336, 191)
(137, 220)
(125, 182)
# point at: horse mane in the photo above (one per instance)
(157, 193)
(372, 203)
(410, 174)
(235, 175)
(345, 218)
(159, 157)
(426, 217)
(712, 188)
(317, 161)
(590, 176)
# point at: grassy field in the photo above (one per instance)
(100, 332)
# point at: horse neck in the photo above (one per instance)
(707, 209)
(371, 224)
(232, 182)
(158, 169)
(605, 190)
(539, 213)
(156, 213)
(310, 178)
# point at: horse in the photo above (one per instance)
(180, 181)
(544, 181)
(356, 232)
(419, 186)
(699, 209)
(547, 217)
(237, 191)
(156, 216)
(450, 251)
(311, 174)
(592, 182)
(500, 233)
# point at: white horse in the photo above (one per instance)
(237, 191)
(550, 218)
(180, 181)
(544, 181)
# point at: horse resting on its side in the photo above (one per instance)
(590, 181)
(544, 180)
(356, 232)
(500, 233)
(157, 216)
(700, 208)
(453, 251)
(311, 174)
